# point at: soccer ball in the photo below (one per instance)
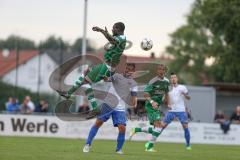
(146, 44)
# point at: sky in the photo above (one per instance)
(37, 19)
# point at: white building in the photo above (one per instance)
(28, 70)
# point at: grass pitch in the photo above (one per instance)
(25, 148)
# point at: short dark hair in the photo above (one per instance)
(164, 66)
(120, 25)
(173, 73)
(132, 64)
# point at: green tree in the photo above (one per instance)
(53, 43)
(77, 46)
(14, 41)
(212, 31)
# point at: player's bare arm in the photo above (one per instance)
(105, 32)
(153, 103)
(166, 99)
(186, 96)
(134, 101)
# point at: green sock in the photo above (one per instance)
(155, 134)
(90, 96)
(149, 145)
(138, 129)
(76, 85)
(146, 130)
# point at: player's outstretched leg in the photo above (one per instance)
(95, 75)
(150, 144)
(138, 129)
(91, 135)
(90, 97)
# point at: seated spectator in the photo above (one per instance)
(235, 118)
(25, 109)
(219, 117)
(42, 106)
(30, 104)
(10, 101)
(13, 107)
(223, 121)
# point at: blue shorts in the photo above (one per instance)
(181, 116)
(118, 117)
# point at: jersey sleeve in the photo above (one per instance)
(148, 88)
(120, 39)
(184, 90)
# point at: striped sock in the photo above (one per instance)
(144, 129)
(76, 85)
(90, 96)
(155, 134)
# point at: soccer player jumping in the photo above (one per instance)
(156, 92)
(98, 72)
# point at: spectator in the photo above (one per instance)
(223, 121)
(13, 107)
(10, 101)
(42, 106)
(84, 108)
(219, 117)
(25, 109)
(235, 118)
(30, 104)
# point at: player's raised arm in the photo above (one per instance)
(105, 32)
(117, 30)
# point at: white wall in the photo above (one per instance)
(51, 126)
(202, 103)
(28, 74)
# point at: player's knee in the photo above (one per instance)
(121, 128)
(98, 123)
(157, 124)
(185, 125)
(164, 125)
